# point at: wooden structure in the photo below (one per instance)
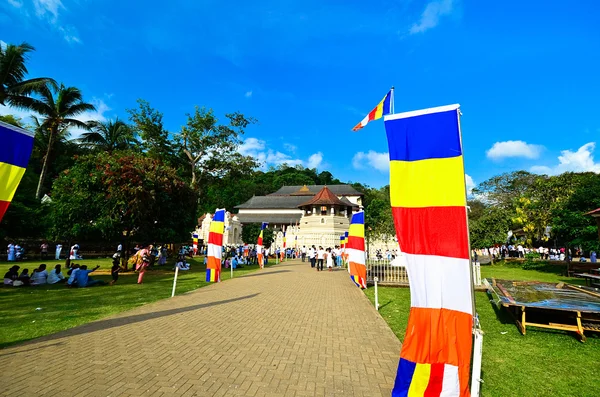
(556, 306)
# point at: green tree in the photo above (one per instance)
(210, 147)
(108, 136)
(490, 227)
(57, 106)
(14, 88)
(251, 231)
(505, 189)
(147, 124)
(121, 194)
(12, 120)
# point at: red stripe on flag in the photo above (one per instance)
(372, 113)
(357, 243)
(215, 238)
(3, 207)
(440, 336)
(438, 231)
(436, 379)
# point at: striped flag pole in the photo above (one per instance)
(428, 198)
(215, 247)
(356, 250)
(15, 151)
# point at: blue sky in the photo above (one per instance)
(525, 73)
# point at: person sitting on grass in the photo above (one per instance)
(24, 277)
(182, 264)
(55, 276)
(73, 275)
(114, 271)
(11, 275)
(40, 275)
(83, 280)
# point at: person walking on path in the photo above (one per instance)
(329, 259)
(58, 250)
(320, 258)
(311, 256)
(142, 262)
(44, 250)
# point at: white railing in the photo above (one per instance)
(386, 272)
(390, 274)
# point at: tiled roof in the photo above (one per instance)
(271, 218)
(273, 202)
(338, 190)
(324, 197)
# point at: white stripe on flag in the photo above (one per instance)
(450, 384)
(356, 256)
(439, 282)
(214, 250)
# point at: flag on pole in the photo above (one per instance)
(356, 250)
(284, 245)
(384, 107)
(15, 150)
(259, 246)
(428, 198)
(195, 243)
(215, 247)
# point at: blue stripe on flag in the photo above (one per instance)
(358, 218)
(387, 103)
(15, 146)
(427, 136)
(406, 370)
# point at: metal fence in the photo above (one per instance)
(386, 272)
(396, 275)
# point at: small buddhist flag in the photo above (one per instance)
(259, 246)
(384, 107)
(215, 247)
(16, 145)
(356, 250)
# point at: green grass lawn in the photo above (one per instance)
(63, 308)
(542, 363)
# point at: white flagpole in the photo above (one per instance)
(175, 280)
(392, 100)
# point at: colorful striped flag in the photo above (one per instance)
(259, 246)
(384, 107)
(356, 250)
(15, 150)
(215, 246)
(195, 243)
(428, 197)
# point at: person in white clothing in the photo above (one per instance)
(311, 256)
(58, 250)
(55, 276)
(329, 259)
(320, 258)
(39, 276)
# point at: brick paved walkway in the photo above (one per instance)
(282, 331)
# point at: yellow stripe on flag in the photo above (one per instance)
(420, 380)
(379, 111)
(10, 175)
(356, 230)
(217, 227)
(427, 183)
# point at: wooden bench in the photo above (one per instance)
(591, 280)
(581, 267)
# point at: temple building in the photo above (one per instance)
(314, 214)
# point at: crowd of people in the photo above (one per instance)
(505, 251)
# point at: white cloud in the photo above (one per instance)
(3, 44)
(289, 147)
(15, 3)
(49, 8)
(580, 161)
(431, 16)
(258, 149)
(505, 149)
(379, 161)
(69, 34)
(315, 160)
(248, 94)
(470, 184)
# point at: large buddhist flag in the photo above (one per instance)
(215, 246)
(259, 246)
(427, 192)
(384, 107)
(16, 145)
(356, 250)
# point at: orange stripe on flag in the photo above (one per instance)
(440, 336)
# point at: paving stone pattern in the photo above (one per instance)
(287, 330)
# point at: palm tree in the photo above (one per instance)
(13, 86)
(108, 136)
(57, 107)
